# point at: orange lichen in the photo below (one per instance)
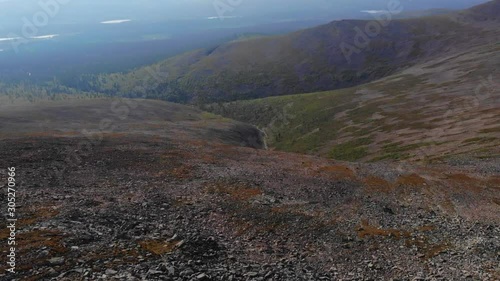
(411, 180)
(435, 250)
(41, 238)
(159, 247)
(496, 201)
(238, 192)
(38, 214)
(35, 215)
(426, 228)
(466, 182)
(494, 182)
(182, 201)
(447, 205)
(177, 154)
(462, 178)
(427, 249)
(307, 164)
(367, 230)
(182, 172)
(376, 185)
(337, 171)
(117, 254)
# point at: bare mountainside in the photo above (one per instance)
(160, 198)
(97, 118)
(336, 55)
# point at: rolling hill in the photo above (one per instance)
(336, 55)
(98, 118)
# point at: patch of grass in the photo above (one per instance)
(397, 151)
(351, 151)
(480, 140)
(367, 230)
(391, 156)
(207, 115)
(211, 116)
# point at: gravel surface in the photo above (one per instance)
(135, 207)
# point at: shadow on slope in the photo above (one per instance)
(96, 118)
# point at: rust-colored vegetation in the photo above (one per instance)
(28, 241)
(377, 185)
(447, 205)
(466, 182)
(494, 182)
(37, 240)
(337, 171)
(426, 228)
(182, 172)
(411, 180)
(367, 230)
(35, 215)
(160, 247)
(427, 249)
(496, 201)
(39, 214)
(239, 192)
(116, 254)
(176, 155)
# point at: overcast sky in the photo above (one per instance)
(13, 11)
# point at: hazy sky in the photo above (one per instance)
(12, 12)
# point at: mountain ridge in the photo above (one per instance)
(315, 59)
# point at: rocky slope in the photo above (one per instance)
(157, 204)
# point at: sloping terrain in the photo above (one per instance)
(121, 189)
(441, 109)
(332, 56)
(96, 118)
(153, 204)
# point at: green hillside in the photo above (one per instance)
(337, 55)
(435, 110)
